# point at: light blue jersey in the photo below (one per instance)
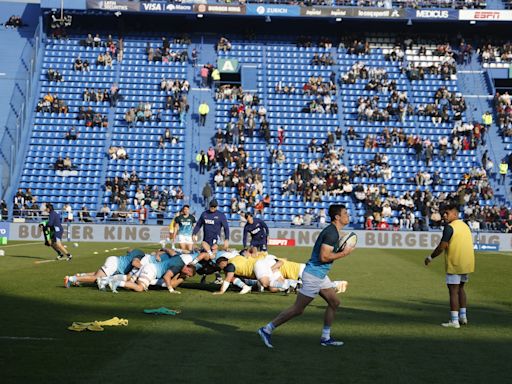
(124, 263)
(153, 260)
(174, 263)
(315, 266)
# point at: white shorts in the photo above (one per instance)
(263, 267)
(110, 266)
(186, 258)
(301, 270)
(146, 259)
(312, 285)
(147, 275)
(184, 239)
(456, 279)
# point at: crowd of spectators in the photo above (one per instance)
(92, 118)
(165, 54)
(490, 52)
(51, 104)
(126, 207)
(63, 164)
(53, 75)
(323, 59)
(167, 138)
(24, 205)
(14, 22)
(117, 153)
(224, 44)
(503, 106)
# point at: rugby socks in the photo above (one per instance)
(72, 279)
(463, 314)
(269, 328)
(118, 278)
(239, 283)
(251, 282)
(281, 286)
(454, 316)
(326, 332)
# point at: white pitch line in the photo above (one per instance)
(26, 338)
(44, 261)
(17, 245)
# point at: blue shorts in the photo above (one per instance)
(211, 240)
(260, 247)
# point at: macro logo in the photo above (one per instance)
(260, 10)
(487, 15)
(433, 14)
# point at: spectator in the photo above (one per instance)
(72, 134)
(59, 164)
(14, 22)
(68, 165)
(297, 220)
(207, 194)
(204, 109)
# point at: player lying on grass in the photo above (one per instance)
(172, 270)
(113, 265)
(169, 257)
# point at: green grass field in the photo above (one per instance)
(389, 320)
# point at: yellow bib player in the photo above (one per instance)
(457, 244)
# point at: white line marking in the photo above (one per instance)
(17, 245)
(26, 338)
(44, 261)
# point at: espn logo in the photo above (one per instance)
(282, 242)
(487, 15)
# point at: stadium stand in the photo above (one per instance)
(375, 122)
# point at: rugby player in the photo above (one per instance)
(55, 226)
(457, 244)
(212, 221)
(236, 268)
(258, 231)
(113, 265)
(315, 280)
(172, 270)
(183, 226)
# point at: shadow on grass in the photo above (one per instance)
(31, 257)
(216, 338)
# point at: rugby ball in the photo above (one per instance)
(75, 245)
(349, 239)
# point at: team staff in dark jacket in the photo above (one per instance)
(258, 231)
(212, 221)
(55, 226)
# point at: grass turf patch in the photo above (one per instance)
(389, 320)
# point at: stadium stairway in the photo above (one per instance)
(200, 137)
(474, 86)
(108, 138)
